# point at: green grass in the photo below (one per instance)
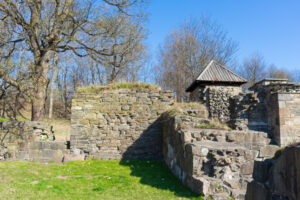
(5, 119)
(116, 86)
(90, 180)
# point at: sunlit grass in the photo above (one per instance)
(90, 180)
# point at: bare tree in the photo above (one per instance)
(44, 27)
(188, 49)
(274, 72)
(254, 69)
(126, 41)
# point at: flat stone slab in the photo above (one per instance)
(73, 157)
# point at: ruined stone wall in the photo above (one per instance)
(272, 107)
(249, 111)
(216, 163)
(29, 141)
(277, 179)
(119, 124)
(216, 99)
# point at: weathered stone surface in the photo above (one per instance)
(247, 169)
(119, 124)
(217, 100)
(29, 141)
(215, 163)
(73, 157)
(273, 107)
(268, 151)
(277, 179)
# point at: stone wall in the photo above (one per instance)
(216, 163)
(216, 99)
(287, 122)
(29, 141)
(277, 179)
(249, 111)
(272, 107)
(119, 124)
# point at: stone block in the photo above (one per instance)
(73, 157)
(256, 191)
(285, 97)
(247, 168)
(199, 185)
(268, 151)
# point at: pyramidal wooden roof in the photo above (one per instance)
(214, 74)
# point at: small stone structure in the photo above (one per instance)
(216, 99)
(216, 163)
(214, 87)
(119, 124)
(272, 106)
(277, 179)
(29, 141)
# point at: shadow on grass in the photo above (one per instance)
(153, 172)
(157, 174)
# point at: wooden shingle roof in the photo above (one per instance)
(214, 74)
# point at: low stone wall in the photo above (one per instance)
(29, 141)
(215, 163)
(277, 179)
(119, 124)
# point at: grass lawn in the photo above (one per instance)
(90, 180)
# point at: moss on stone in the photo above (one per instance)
(117, 86)
(278, 153)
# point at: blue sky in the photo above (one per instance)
(269, 27)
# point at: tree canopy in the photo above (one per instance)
(107, 31)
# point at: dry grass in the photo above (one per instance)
(213, 124)
(190, 105)
(199, 110)
(116, 86)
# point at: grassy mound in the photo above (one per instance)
(117, 86)
(91, 180)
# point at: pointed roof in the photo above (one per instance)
(215, 73)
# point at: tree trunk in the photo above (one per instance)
(54, 70)
(41, 80)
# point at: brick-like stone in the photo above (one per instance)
(119, 121)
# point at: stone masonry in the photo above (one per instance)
(272, 106)
(216, 99)
(277, 178)
(119, 124)
(29, 141)
(216, 163)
